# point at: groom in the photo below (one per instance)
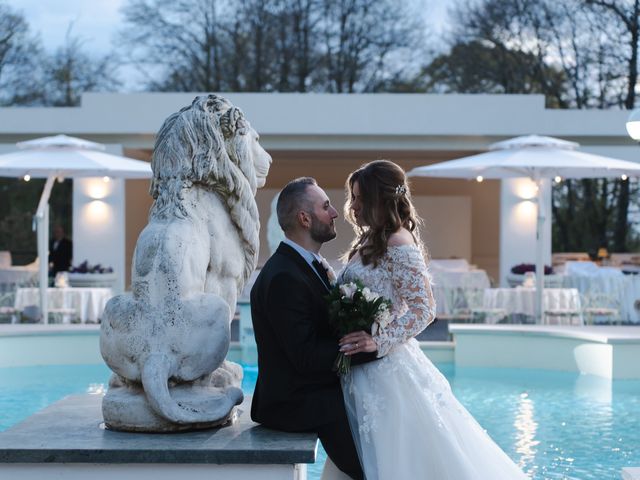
(296, 390)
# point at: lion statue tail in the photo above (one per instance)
(155, 374)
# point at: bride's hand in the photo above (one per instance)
(357, 342)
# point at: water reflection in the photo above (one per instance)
(597, 389)
(97, 389)
(526, 428)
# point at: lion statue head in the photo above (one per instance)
(211, 145)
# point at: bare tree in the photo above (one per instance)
(305, 17)
(480, 67)
(20, 60)
(580, 54)
(359, 46)
(554, 37)
(583, 45)
(71, 70)
(176, 43)
(503, 45)
(269, 45)
(275, 44)
(295, 43)
(625, 14)
(258, 19)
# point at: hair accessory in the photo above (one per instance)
(401, 190)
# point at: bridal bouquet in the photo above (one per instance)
(353, 307)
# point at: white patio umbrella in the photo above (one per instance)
(537, 158)
(61, 156)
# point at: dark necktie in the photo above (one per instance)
(322, 272)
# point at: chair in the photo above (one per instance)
(477, 312)
(600, 305)
(32, 314)
(563, 316)
(8, 314)
(456, 305)
(63, 315)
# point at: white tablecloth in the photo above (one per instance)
(624, 289)
(88, 303)
(10, 277)
(522, 300)
(450, 264)
(449, 287)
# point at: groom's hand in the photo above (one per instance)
(357, 342)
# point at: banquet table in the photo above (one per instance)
(86, 303)
(625, 289)
(521, 300)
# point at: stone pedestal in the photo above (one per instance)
(67, 440)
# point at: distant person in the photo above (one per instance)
(60, 252)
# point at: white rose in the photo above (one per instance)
(368, 295)
(348, 290)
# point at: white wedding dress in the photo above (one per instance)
(405, 420)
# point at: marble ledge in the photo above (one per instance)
(71, 431)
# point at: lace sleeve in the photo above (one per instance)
(412, 282)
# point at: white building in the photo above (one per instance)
(326, 136)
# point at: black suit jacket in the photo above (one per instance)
(296, 388)
(61, 256)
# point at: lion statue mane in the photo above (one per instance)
(167, 339)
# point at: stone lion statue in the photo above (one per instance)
(167, 340)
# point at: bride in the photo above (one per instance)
(405, 420)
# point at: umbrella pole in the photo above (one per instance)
(41, 221)
(539, 253)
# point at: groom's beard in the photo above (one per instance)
(321, 232)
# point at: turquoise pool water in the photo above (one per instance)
(555, 425)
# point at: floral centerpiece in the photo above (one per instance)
(523, 268)
(353, 307)
(88, 275)
(86, 267)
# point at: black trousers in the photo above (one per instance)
(337, 441)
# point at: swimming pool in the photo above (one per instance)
(556, 425)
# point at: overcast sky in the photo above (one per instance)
(95, 21)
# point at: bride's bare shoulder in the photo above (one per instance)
(401, 237)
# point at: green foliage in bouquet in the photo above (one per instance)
(353, 307)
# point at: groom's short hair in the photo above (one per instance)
(291, 200)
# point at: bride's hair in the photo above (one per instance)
(386, 207)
